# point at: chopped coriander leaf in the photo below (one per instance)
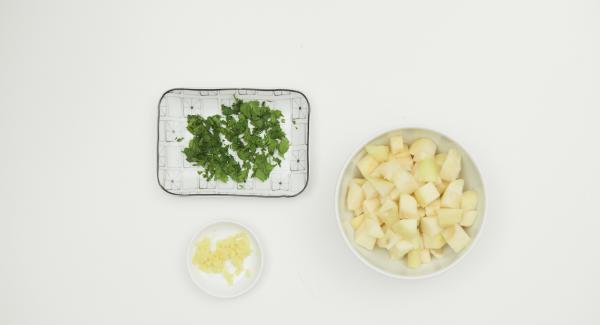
(250, 130)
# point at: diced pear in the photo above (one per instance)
(426, 194)
(378, 152)
(406, 162)
(366, 165)
(369, 190)
(388, 240)
(437, 252)
(355, 196)
(359, 181)
(405, 182)
(432, 208)
(413, 258)
(358, 211)
(440, 158)
(417, 241)
(408, 207)
(422, 148)
(421, 212)
(425, 257)
(357, 221)
(365, 240)
(440, 185)
(390, 168)
(430, 226)
(371, 205)
(400, 249)
(406, 228)
(434, 242)
(468, 218)
(468, 200)
(456, 238)
(427, 171)
(453, 194)
(388, 212)
(396, 144)
(382, 187)
(448, 217)
(394, 194)
(451, 167)
(371, 227)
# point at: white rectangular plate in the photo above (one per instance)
(177, 176)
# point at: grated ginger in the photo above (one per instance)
(233, 249)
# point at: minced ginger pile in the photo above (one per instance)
(233, 249)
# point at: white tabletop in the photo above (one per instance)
(88, 237)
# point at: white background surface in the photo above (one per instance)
(87, 236)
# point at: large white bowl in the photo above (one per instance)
(378, 258)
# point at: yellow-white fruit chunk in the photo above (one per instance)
(440, 158)
(432, 208)
(401, 248)
(369, 190)
(426, 194)
(408, 207)
(456, 238)
(396, 144)
(390, 168)
(355, 197)
(430, 226)
(378, 152)
(413, 258)
(405, 182)
(425, 257)
(406, 228)
(371, 205)
(388, 240)
(468, 218)
(422, 148)
(421, 212)
(367, 165)
(359, 181)
(448, 217)
(451, 167)
(453, 194)
(388, 212)
(394, 194)
(468, 200)
(365, 240)
(439, 252)
(357, 221)
(434, 242)
(406, 161)
(427, 171)
(441, 185)
(382, 187)
(371, 227)
(358, 211)
(404, 152)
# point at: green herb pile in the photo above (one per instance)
(246, 139)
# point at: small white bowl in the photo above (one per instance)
(378, 259)
(215, 284)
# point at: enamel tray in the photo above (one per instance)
(177, 176)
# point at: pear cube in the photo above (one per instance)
(456, 238)
(453, 194)
(378, 152)
(451, 167)
(426, 194)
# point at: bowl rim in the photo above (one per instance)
(355, 251)
(191, 245)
